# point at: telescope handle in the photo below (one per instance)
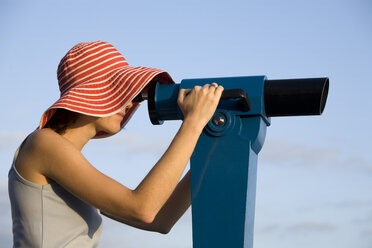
(240, 94)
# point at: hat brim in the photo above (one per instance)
(108, 94)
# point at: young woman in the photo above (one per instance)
(57, 195)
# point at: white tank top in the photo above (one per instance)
(48, 216)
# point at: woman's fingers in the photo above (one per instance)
(214, 87)
(182, 94)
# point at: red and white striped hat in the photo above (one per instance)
(95, 79)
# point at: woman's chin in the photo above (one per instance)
(115, 131)
(111, 130)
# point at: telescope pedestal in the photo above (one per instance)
(223, 181)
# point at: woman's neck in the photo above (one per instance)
(81, 132)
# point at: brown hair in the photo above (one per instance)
(61, 120)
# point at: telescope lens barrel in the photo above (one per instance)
(295, 97)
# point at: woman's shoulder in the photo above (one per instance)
(44, 138)
(35, 153)
(42, 144)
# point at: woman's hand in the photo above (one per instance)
(199, 104)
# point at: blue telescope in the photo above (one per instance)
(224, 162)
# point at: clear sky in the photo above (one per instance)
(314, 173)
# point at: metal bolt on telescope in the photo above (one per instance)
(224, 162)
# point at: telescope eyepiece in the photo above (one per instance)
(142, 96)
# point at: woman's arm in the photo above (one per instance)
(170, 213)
(62, 162)
(197, 106)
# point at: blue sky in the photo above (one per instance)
(314, 173)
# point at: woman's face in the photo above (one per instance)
(111, 124)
